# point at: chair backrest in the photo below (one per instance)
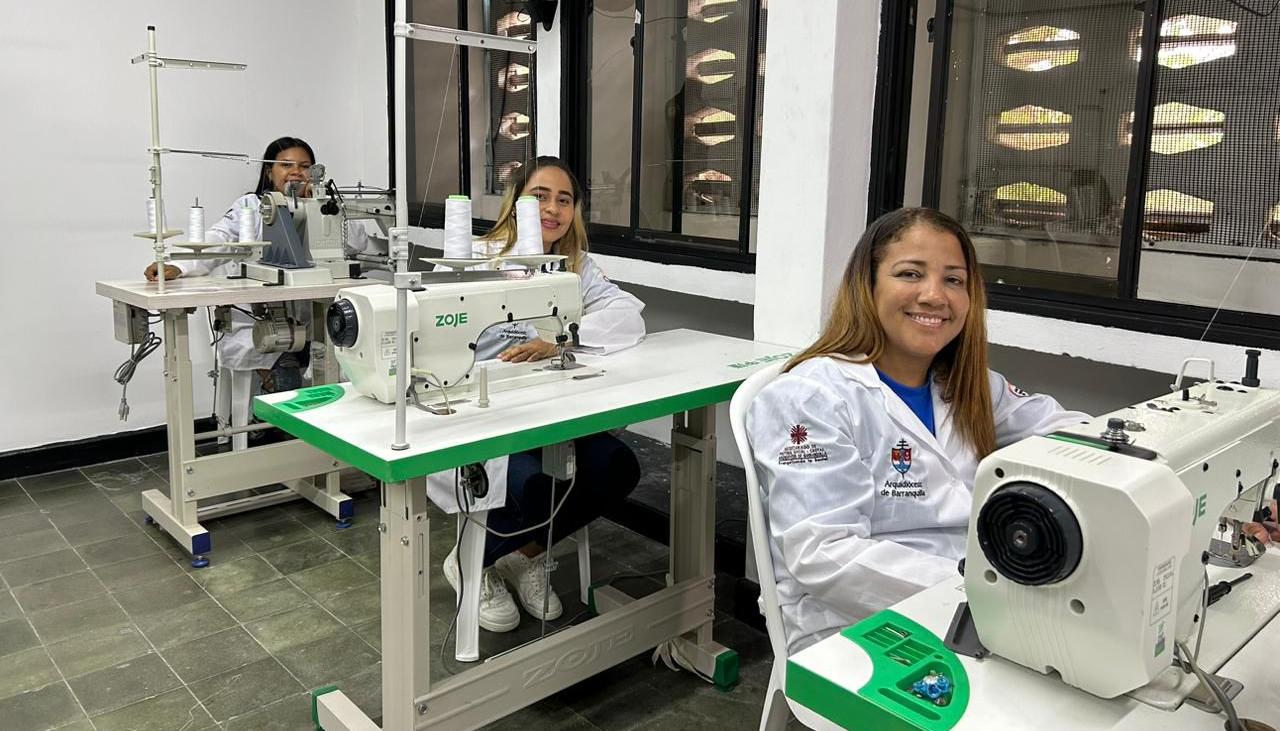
(759, 526)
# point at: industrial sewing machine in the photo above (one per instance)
(1086, 548)
(307, 232)
(445, 321)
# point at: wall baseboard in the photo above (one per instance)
(94, 450)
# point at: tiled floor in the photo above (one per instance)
(104, 625)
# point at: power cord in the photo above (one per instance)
(126, 370)
(1233, 720)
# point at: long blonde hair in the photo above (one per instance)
(853, 329)
(573, 245)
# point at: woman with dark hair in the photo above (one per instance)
(607, 470)
(286, 161)
(867, 445)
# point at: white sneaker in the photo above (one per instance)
(498, 612)
(528, 577)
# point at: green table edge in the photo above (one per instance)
(444, 459)
(878, 704)
(315, 704)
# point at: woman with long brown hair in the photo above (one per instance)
(866, 447)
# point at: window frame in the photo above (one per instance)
(1123, 309)
(433, 215)
(632, 241)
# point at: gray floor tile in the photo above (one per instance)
(185, 623)
(136, 571)
(86, 510)
(175, 710)
(16, 505)
(332, 579)
(115, 550)
(262, 601)
(26, 670)
(217, 653)
(293, 628)
(91, 651)
(40, 568)
(371, 632)
(244, 690)
(52, 706)
(546, 715)
(372, 562)
(356, 606)
(125, 476)
(10, 487)
(8, 607)
(301, 556)
(52, 480)
(34, 543)
(282, 532)
(229, 577)
(101, 529)
(356, 539)
(159, 596)
(56, 592)
(123, 684)
(158, 463)
(72, 501)
(17, 524)
(290, 714)
(365, 690)
(327, 660)
(90, 615)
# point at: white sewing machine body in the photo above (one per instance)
(1085, 558)
(445, 322)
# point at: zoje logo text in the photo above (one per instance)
(576, 657)
(453, 319)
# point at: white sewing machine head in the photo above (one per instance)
(1085, 550)
(446, 319)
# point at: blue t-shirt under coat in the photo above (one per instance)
(917, 398)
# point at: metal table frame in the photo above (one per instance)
(306, 472)
(625, 626)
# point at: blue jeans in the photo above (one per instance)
(607, 472)
(286, 373)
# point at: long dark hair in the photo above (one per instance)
(853, 329)
(272, 152)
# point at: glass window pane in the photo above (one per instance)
(610, 90)
(433, 108)
(1031, 162)
(1211, 220)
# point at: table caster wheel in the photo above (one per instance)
(148, 520)
(344, 523)
(199, 562)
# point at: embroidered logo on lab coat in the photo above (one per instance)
(801, 450)
(1017, 391)
(900, 455)
(900, 458)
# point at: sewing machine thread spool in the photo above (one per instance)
(248, 231)
(151, 215)
(528, 227)
(457, 227)
(195, 224)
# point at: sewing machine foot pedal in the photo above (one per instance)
(1203, 699)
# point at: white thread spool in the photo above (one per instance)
(457, 227)
(151, 215)
(248, 226)
(528, 227)
(195, 224)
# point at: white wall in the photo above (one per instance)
(76, 129)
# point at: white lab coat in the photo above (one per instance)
(235, 349)
(611, 321)
(854, 527)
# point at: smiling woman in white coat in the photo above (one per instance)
(866, 447)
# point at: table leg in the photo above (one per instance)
(693, 507)
(471, 561)
(405, 600)
(176, 513)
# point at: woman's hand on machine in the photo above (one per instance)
(1267, 531)
(533, 350)
(170, 272)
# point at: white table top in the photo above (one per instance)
(669, 372)
(209, 291)
(1008, 696)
